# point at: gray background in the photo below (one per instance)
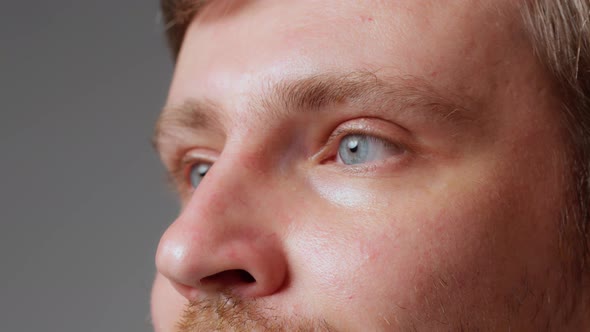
(82, 195)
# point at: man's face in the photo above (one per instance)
(376, 165)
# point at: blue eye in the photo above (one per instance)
(197, 173)
(360, 149)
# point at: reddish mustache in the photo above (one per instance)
(230, 313)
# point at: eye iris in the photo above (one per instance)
(354, 149)
(198, 171)
(202, 169)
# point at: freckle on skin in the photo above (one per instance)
(365, 19)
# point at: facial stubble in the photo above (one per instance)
(231, 313)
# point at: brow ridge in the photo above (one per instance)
(316, 93)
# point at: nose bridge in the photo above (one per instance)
(223, 228)
(231, 188)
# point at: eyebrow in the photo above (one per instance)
(318, 92)
(191, 115)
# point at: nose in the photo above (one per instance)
(224, 240)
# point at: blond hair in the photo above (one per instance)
(559, 31)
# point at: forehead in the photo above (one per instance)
(231, 54)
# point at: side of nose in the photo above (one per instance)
(223, 240)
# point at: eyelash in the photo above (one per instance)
(180, 174)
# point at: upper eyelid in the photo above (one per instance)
(187, 158)
(341, 133)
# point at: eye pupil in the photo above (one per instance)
(353, 145)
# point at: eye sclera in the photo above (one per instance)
(390, 134)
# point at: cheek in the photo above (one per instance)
(166, 305)
(409, 259)
(466, 250)
(420, 249)
(347, 262)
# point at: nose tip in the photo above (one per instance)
(172, 261)
(197, 264)
(223, 241)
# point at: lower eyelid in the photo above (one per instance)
(391, 165)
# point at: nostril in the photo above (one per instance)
(246, 277)
(228, 278)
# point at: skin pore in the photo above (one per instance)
(451, 220)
